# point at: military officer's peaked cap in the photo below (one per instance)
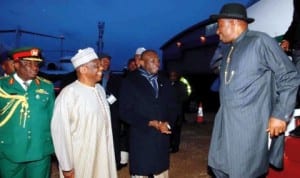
(27, 53)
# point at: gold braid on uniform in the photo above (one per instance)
(11, 106)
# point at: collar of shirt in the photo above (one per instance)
(21, 82)
(147, 75)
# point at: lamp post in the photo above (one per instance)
(100, 43)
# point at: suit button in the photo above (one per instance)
(29, 137)
(2, 141)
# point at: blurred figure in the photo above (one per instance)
(124, 127)
(131, 65)
(215, 66)
(111, 83)
(7, 64)
(81, 126)
(258, 86)
(137, 56)
(182, 97)
(291, 39)
(291, 44)
(26, 103)
(148, 105)
(105, 62)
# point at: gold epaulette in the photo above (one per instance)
(11, 81)
(43, 79)
(9, 78)
(2, 77)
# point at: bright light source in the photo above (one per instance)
(202, 39)
(178, 44)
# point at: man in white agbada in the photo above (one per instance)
(81, 127)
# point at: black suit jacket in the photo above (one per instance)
(149, 149)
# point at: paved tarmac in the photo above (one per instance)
(191, 160)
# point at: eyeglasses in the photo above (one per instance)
(30, 63)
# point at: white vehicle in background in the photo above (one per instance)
(62, 66)
(271, 16)
(65, 64)
(57, 72)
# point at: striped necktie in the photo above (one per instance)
(152, 78)
(154, 84)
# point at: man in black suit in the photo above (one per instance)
(182, 97)
(291, 44)
(148, 105)
(111, 83)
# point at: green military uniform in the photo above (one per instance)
(25, 117)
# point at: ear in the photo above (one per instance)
(142, 62)
(82, 69)
(17, 65)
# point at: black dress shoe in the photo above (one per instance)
(295, 132)
(120, 166)
(124, 165)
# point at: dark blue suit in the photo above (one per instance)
(148, 148)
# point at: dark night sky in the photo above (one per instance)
(128, 23)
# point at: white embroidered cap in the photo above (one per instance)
(83, 56)
(140, 50)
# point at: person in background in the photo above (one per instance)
(291, 44)
(182, 97)
(26, 110)
(105, 62)
(111, 83)
(215, 66)
(131, 65)
(81, 126)
(258, 87)
(137, 55)
(291, 39)
(148, 105)
(124, 127)
(7, 64)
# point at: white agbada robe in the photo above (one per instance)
(81, 131)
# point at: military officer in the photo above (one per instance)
(26, 106)
(7, 64)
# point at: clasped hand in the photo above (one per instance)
(162, 127)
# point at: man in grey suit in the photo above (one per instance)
(257, 97)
